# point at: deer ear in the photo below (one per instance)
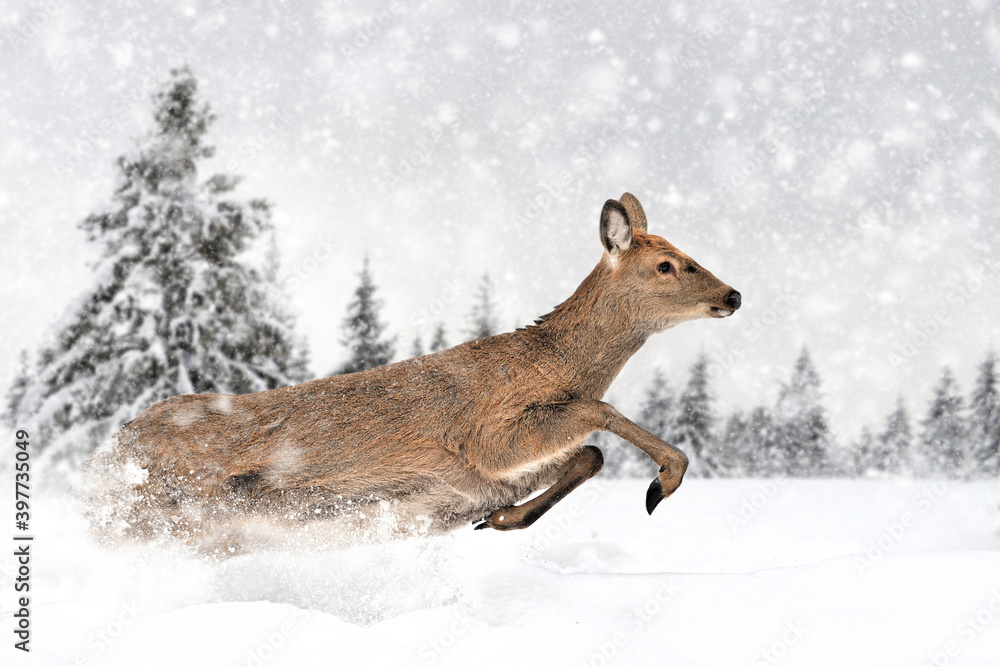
(616, 228)
(635, 212)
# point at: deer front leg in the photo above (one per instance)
(558, 423)
(600, 416)
(582, 466)
(673, 462)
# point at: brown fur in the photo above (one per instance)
(454, 436)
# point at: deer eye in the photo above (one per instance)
(665, 267)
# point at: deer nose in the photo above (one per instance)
(734, 300)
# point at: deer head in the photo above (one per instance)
(661, 283)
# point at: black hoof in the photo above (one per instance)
(484, 524)
(654, 495)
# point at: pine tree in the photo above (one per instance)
(864, 456)
(176, 307)
(363, 330)
(892, 449)
(748, 446)
(735, 447)
(17, 389)
(801, 431)
(439, 342)
(657, 412)
(482, 318)
(762, 455)
(692, 424)
(984, 421)
(943, 436)
(655, 416)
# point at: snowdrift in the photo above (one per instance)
(804, 572)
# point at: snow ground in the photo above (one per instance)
(727, 572)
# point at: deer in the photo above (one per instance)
(453, 438)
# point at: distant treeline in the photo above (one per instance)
(958, 438)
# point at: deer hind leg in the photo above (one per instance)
(578, 469)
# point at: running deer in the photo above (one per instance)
(452, 437)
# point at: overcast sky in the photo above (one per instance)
(838, 166)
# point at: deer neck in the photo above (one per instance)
(592, 335)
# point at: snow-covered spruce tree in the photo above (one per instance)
(942, 440)
(800, 427)
(177, 308)
(984, 421)
(483, 318)
(892, 448)
(657, 412)
(364, 330)
(747, 448)
(17, 389)
(759, 446)
(438, 341)
(732, 459)
(863, 455)
(691, 429)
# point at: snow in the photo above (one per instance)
(835, 163)
(749, 572)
